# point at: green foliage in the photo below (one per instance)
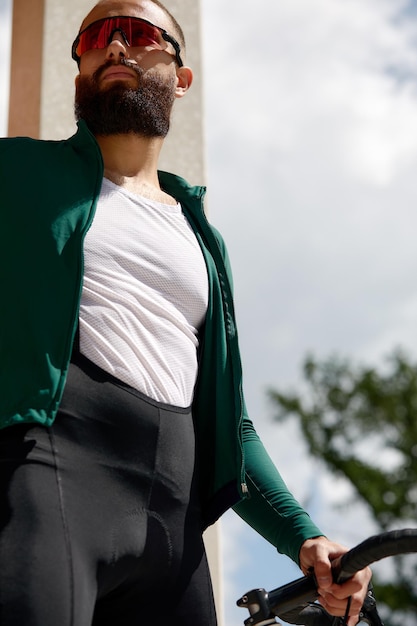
(362, 423)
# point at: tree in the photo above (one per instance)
(362, 424)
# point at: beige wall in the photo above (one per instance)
(41, 105)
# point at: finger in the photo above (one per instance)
(332, 605)
(349, 588)
(322, 569)
(336, 604)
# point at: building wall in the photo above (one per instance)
(42, 95)
(26, 68)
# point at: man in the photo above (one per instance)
(124, 432)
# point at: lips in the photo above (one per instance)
(118, 72)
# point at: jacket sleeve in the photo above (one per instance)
(270, 507)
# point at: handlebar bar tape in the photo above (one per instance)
(374, 549)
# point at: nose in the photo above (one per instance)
(117, 48)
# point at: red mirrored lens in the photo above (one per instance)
(136, 31)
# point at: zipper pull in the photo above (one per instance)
(244, 488)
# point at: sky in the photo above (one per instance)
(311, 126)
(311, 131)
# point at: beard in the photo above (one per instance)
(144, 110)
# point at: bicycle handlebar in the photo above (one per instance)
(374, 549)
(293, 601)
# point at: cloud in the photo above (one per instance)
(311, 125)
(312, 152)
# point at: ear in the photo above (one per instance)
(184, 81)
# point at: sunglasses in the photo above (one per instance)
(134, 30)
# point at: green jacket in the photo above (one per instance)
(48, 192)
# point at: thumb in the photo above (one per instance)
(323, 571)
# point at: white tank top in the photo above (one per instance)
(145, 295)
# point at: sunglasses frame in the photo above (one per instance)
(165, 35)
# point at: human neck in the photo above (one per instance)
(131, 162)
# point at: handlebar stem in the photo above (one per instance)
(256, 601)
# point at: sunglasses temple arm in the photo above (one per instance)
(176, 46)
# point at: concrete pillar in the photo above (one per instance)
(41, 106)
(26, 68)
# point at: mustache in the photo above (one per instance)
(99, 71)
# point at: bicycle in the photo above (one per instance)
(295, 602)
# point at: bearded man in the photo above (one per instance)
(124, 431)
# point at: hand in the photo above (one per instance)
(317, 554)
